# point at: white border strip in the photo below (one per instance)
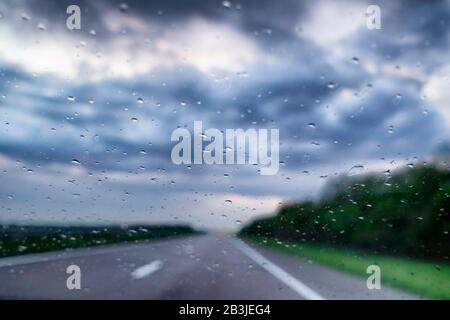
(277, 272)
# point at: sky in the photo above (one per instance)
(86, 115)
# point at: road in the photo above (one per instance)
(197, 267)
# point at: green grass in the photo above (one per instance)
(425, 278)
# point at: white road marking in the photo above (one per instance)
(277, 272)
(147, 269)
(59, 255)
(56, 255)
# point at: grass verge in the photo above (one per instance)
(425, 278)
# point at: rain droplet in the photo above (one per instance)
(331, 85)
(123, 7)
(228, 201)
(25, 17)
(355, 170)
(311, 125)
(140, 100)
(41, 27)
(75, 161)
(71, 98)
(134, 119)
(355, 60)
(226, 4)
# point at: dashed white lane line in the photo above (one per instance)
(277, 272)
(147, 269)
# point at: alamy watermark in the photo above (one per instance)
(374, 280)
(234, 146)
(73, 21)
(73, 282)
(373, 14)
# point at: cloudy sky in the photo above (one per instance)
(86, 115)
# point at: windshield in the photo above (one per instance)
(203, 148)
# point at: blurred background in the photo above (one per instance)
(86, 117)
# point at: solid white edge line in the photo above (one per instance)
(277, 272)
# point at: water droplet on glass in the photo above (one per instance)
(228, 201)
(71, 98)
(355, 170)
(123, 7)
(140, 100)
(355, 60)
(134, 119)
(226, 4)
(75, 161)
(41, 27)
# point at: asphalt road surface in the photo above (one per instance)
(197, 267)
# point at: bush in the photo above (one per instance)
(406, 212)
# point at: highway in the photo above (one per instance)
(196, 267)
